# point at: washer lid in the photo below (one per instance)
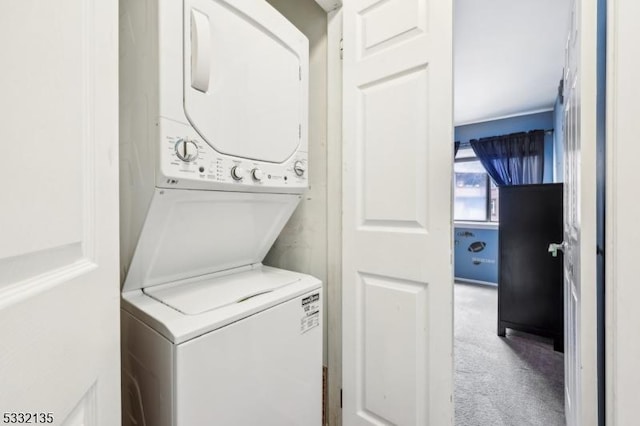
(178, 327)
(207, 294)
(245, 78)
(191, 233)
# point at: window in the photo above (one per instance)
(475, 194)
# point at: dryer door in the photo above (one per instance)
(245, 78)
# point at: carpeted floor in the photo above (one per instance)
(513, 381)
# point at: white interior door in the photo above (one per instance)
(580, 218)
(397, 272)
(571, 238)
(59, 285)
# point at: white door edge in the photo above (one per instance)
(622, 213)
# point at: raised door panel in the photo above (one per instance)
(384, 24)
(43, 209)
(393, 332)
(389, 108)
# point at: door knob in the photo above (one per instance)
(554, 247)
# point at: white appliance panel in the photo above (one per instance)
(207, 294)
(153, 113)
(192, 233)
(179, 328)
(210, 169)
(243, 78)
(147, 378)
(264, 370)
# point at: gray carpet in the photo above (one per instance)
(517, 380)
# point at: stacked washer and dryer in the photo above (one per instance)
(213, 157)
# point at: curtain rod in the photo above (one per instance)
(467, 143)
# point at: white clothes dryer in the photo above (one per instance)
(213, 157)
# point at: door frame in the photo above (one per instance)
(334, 217)
(621, 375)
(622, 316)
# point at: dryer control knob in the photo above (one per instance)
(238, 173)
(298, 168)
(257, 174)
(186, 150)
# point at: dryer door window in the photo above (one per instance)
(244, 72)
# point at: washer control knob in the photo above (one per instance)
(186, 150)
(257, 174)
(298, 168)
(237, 173)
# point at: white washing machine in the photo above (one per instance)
(213, 158)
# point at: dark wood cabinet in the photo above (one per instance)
(530, 279)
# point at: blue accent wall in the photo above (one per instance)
(523, 123)
(476, 254)
(482, 265)
(558, 143)
(548, 158)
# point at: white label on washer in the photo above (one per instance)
(311, 313)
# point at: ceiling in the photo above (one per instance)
(508, 57)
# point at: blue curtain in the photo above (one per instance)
(515, 159)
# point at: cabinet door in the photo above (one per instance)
(530, 286)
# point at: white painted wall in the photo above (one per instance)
(623, 211)
(302, 245)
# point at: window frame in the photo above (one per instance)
(487, 187)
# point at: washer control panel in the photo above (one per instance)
(257, 174)
(238, 173)
(187, 161)
(186, 150)
(299, 168)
